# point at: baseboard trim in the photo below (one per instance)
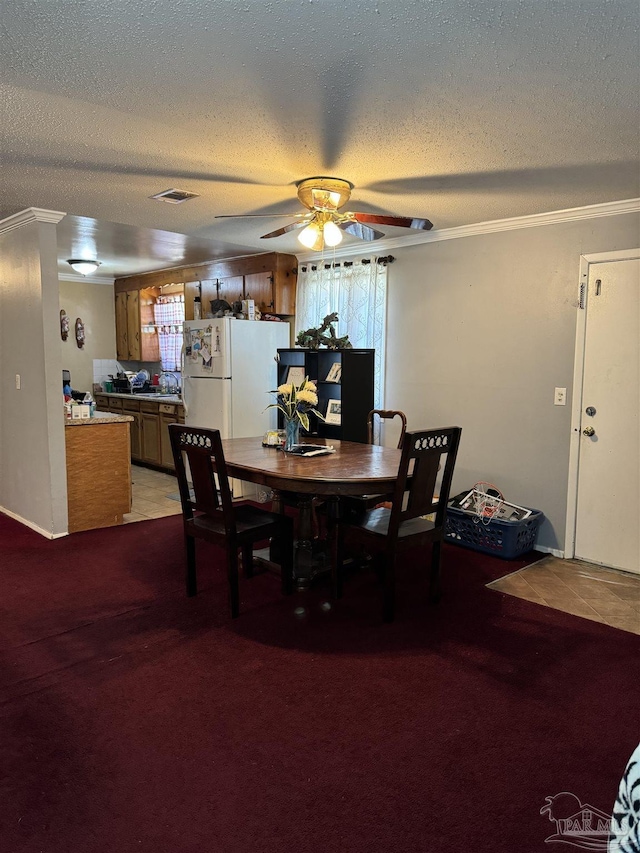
(555, 552)
(46, 533)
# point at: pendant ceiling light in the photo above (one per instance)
(82, 266)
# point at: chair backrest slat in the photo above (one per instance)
(422, 455)
(385, 414)
(201, 450)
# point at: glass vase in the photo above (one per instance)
(292, 433)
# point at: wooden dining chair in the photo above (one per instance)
(362, 503)
(385, 414)
(388, 533)
(209, 513)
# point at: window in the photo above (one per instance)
(357, 292)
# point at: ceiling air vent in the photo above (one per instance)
(174, 196)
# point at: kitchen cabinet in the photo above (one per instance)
(149, 429)
(353, 391)
(269, 279)
(169, 414)
(272, 289)
(150, 435)
(230, 289)
(98, 472)
(136, 334)
(132, 407)
(261, 287)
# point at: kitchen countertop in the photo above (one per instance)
(160, 398)
(98, 418)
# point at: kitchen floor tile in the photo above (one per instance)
(593, 592)
(128, 517)
(149, 492)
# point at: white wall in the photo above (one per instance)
(95, 305)
(480, 331)
(33, 485)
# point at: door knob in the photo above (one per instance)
(589, 431)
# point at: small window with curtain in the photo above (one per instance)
(169, 316)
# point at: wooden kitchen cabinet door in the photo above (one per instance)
(150, 438)
(133, 324)
(122, 335)
(149, 340)
(166, 454)
(259, 287)
(229, 289)
(136, 433)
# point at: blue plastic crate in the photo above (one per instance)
(505, 539)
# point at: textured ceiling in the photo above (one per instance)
(459, 111)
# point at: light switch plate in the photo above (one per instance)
(560, 397)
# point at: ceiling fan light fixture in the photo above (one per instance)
(332, 234)
(83, 267)
(324, 193)
(310, 236)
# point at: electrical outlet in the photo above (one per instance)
(560, 397)
(17, 381)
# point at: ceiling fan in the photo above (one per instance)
(324, 223)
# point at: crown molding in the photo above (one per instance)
(31, 214)
(88, 279)
(572, 214)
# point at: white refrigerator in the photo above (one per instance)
(229, 366)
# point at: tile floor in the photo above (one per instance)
(593, 592)
(150, 490)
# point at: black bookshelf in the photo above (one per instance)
(353, 389)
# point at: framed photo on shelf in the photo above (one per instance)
(295, 375)
(334, 373)
(334, 412)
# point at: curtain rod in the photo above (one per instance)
(386, 259)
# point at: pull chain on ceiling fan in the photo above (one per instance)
(324, 223)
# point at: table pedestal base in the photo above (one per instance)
(312, 555)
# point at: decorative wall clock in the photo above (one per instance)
(64, 325)
(79, 333)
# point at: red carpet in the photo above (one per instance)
(135, 719)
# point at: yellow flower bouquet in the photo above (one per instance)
(297, 401)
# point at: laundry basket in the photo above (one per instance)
(505, 539)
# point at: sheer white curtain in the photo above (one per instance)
(357, 291)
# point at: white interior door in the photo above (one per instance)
(608, 492)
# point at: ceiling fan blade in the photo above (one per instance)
(285, 229)
(360, 230)
(245, 215)
(399, 221)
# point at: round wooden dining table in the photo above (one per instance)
(352, 469)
